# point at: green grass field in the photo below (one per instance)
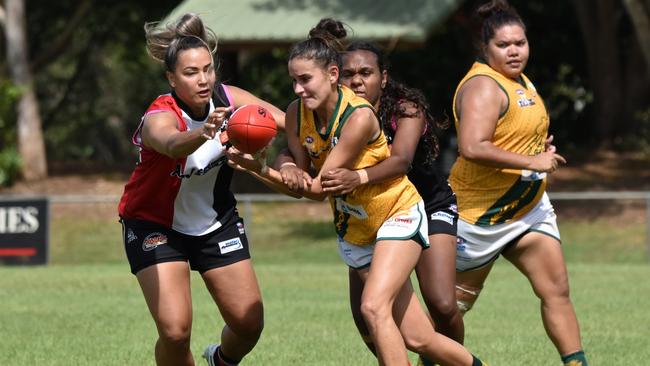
(85, 308)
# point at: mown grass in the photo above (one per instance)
(85, 308)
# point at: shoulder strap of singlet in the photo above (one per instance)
(221, 96)
(346, 115)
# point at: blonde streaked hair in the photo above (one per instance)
(164, 42)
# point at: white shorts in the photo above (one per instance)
(408, 225)
(477, 246)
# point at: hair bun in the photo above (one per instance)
(328, 28)
(485, 11)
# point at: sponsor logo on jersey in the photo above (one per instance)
(525, 102)
(153, 240)
(230, 245)
(312, 149)
(240, 227)
(352, 210)
(399, 222)
(130, 236)
(461, 245)
(178, 172)
(529, 176)
(442, 216)
(403, 220)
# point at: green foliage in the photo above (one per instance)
(265, 75)
(9, 166)
(94, 92)
(106, 107)
(9, 158)
(94, 89)
(9, 94)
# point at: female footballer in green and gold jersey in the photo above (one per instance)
(500, 179)
(381, 227)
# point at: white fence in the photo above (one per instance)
(611, 195)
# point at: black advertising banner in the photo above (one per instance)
(24, 231)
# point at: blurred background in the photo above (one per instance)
(75, 77)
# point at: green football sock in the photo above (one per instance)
(477, 362)
(575, 359)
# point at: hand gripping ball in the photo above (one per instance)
(250, 128)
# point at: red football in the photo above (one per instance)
(250, 128)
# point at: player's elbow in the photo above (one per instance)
(175, 153)
(469, 151)
(175, 150)
(402, 165)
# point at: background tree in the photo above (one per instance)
(93, 79)
(30, 134)
(619, 76)
(639, 12)
(89, 72)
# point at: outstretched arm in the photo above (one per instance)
(277, 179)
(256, 166)
(361, 127)
(160, 132)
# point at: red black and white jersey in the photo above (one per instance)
(190, 195)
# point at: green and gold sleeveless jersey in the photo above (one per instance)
(489, 196)
(359, 214)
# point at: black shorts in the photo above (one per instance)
(147, 243)
(443, 216)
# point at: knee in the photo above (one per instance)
(466, 297)
(374, 311)
(554, 293)
(251, 330)
(248, 325)
(175, 335)
(443, 309)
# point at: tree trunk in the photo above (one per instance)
(31, 146)
(598, 23)
(640, 15)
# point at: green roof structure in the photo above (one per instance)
(267, 23)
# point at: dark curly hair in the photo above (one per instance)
(391, 107)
